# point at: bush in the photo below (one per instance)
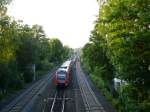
(46, 65)
(16, 83)
(28, 76)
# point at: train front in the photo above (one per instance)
(61, 78)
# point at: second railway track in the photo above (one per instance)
(19, 104)
(90, 101)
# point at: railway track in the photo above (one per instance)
(90, 101)
(21, 101)
(56, 103)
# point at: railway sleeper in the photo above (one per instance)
(66, 99)
(94, 108)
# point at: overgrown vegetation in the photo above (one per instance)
(120, 47)
(24, 51)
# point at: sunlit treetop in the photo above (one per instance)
(3, 8)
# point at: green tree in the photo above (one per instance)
(8, 45)
(56, 50)
(120, 43)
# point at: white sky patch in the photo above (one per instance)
(69, 20)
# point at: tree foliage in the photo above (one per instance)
(121, 36)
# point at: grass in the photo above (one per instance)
(102, 86)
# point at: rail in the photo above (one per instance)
(90, 101)
(58, 102)
(53, 102)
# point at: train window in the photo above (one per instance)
(61, 75)
(61, 72)
(63, 67)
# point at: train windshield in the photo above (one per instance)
(61, 75)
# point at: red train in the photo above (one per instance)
(62, 76)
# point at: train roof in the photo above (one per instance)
(66, 64)
(61, 69)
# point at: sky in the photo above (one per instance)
(71, 21)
